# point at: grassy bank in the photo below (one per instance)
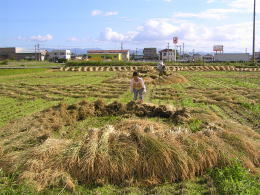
(26, 63)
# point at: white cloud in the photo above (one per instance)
(47, 37)
(156, 29)
(109, 35)
(157, 32)
(111, 13)
(244, 5)
(168, 1)
(73, 39)
(102, 13)
(217, 14)
(233, 6)
(126, 19)
(96, 12)
(39, 38)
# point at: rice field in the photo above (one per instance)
(64, 131)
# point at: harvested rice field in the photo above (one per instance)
(79, 132)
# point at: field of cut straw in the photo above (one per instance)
(64, 132)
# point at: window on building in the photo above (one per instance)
(62, 53)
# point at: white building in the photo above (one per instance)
(232, 57)
(257, 56)
(167, 55)
(60, 54)
(208, 58)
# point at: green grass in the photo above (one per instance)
(235, 179)
(10, 72)
(27, 63)
(195, 125)
(90, 122)
(45, 77)
(9, 185)
(201, 80)
(13, 108)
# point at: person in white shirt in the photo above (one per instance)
(161, 68)
(137, 86)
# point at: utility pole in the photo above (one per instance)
(175, 53)
(180, 51)
(193, 51)
(168, 52)
(121, 46)
(183, 49)
(38, 55)
(35, 54)
(254, 33)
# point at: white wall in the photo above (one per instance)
(171, 56)
(235, 57)
(61, 54)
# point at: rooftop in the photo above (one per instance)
(108, 51)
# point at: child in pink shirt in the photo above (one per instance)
(137, 86)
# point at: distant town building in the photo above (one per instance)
(39, 56)
(232, 57)
(137, 57)
(197, 57)
(167, 55)
(7, 53)
(208, 58)
(150, 54)
(59, 54)
(257, 56)
(108, 55)
(14, 54)
(78, 58)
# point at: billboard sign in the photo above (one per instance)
(218, 48)
(175, 40)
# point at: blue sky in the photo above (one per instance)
(136, 23)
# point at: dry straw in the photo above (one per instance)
(133, 152)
